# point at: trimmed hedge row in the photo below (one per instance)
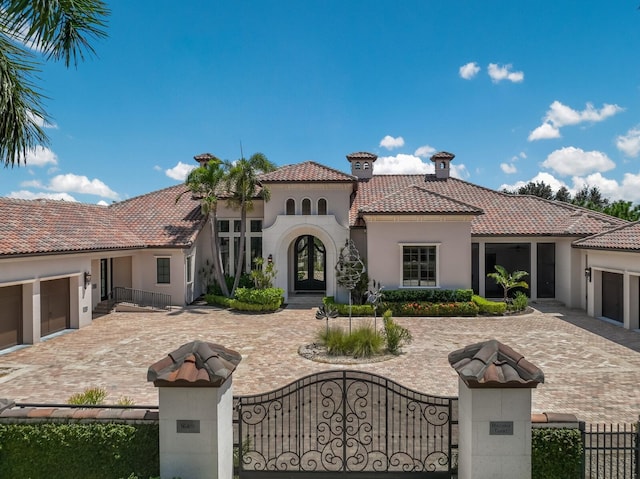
(486, 306)
(249, 299)
(556, 453)
(427, 295)
(422, 308)
(90, 451)
(343, 309)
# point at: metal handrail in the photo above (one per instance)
(141, 298)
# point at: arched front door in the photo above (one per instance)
(310, 264)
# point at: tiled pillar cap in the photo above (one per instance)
(491, 364)
(195, 364)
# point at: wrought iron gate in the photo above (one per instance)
(345, 421)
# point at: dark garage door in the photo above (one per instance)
(54, 306)
(612, 296)
(10, 316)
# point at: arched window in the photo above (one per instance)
(306, 206)
(365, 166)
(357, 165)
(442, 165)
(322, 206)
(291, 207)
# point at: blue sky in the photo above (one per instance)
(518, 91)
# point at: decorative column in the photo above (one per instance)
(494, 411)
(196, 411)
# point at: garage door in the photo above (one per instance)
(10, 316)
(54, 306)
(612, 296)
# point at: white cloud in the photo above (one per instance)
(40, 156)
(629, 144)
(31, 184)
(571, 161)
(157, 168)
(180, 171)
(390, 142)
(630, 188)
(102, 203)
(609, 188)
(30, 195)
(40, 121)
(559, 115)
(544, 132)
(425, 151)
(401, 164)
(499, 73)
(507, 168)
(469, 70)
(547, 178)
(459, 171)
(81, 184)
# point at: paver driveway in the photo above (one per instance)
(592, 368)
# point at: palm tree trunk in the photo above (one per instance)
(240, 253)
(218, 270)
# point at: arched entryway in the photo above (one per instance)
(309, 262)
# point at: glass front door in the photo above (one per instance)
(310, 264)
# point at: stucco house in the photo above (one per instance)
(59, 260)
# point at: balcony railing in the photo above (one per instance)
(144, 299)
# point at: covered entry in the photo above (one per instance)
(10, 316)
(310, 264)
(613, 296)
(54, 306)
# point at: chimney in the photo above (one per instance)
(362, 164)
(204, 158)
(441, 162)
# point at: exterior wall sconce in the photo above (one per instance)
(87, 279)
(270, 259)
(587, 273)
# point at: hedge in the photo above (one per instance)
(250, 299)
(427, 295)
(422, 308)
(89, 451)
(486, 306)
(343, 309)
(556, 453)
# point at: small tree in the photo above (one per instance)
(508, 281)
(263, 276)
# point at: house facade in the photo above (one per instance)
(59, 260)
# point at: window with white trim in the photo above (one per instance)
(419, 266)
(189, 269)
(163, 270)
(290, 208)
(229, 240)
(322, 206)
(306, 206)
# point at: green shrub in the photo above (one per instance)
(218, 300)
(428, 295)
(489, 307)
(255, 307)
(433, 309)
(519, 302)
(363, 341)
(90, 396)
(556, 453)
(259, 296)
(89, 451)
(395, 335)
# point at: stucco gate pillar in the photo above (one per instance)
(196, 411)
(495, 385)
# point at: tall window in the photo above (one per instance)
(229, 240)
(306, 206)
(419, 266)
(322, 206)
(189, 267)
(291, 207)
(163, 270)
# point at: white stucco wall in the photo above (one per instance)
(387, 234)
(336, 194)
(144, 273)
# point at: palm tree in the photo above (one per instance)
(203, 182)
(508, 281)
(241, 183)
(60, 29)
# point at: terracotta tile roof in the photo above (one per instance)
(195, 364)
(416, 199)
(504, 214)
(362, 155)
(491, 364)
(50, 226)
(623, 238)
(158, 220)
(309, 171)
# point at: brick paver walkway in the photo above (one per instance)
(592, 368)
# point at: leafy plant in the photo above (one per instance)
(556, 453)
(519, 301)
(125, 401)
(263, 276)
(486, 306)
(507, 280)
(90, 396)
(395, 335)
(363, 341)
